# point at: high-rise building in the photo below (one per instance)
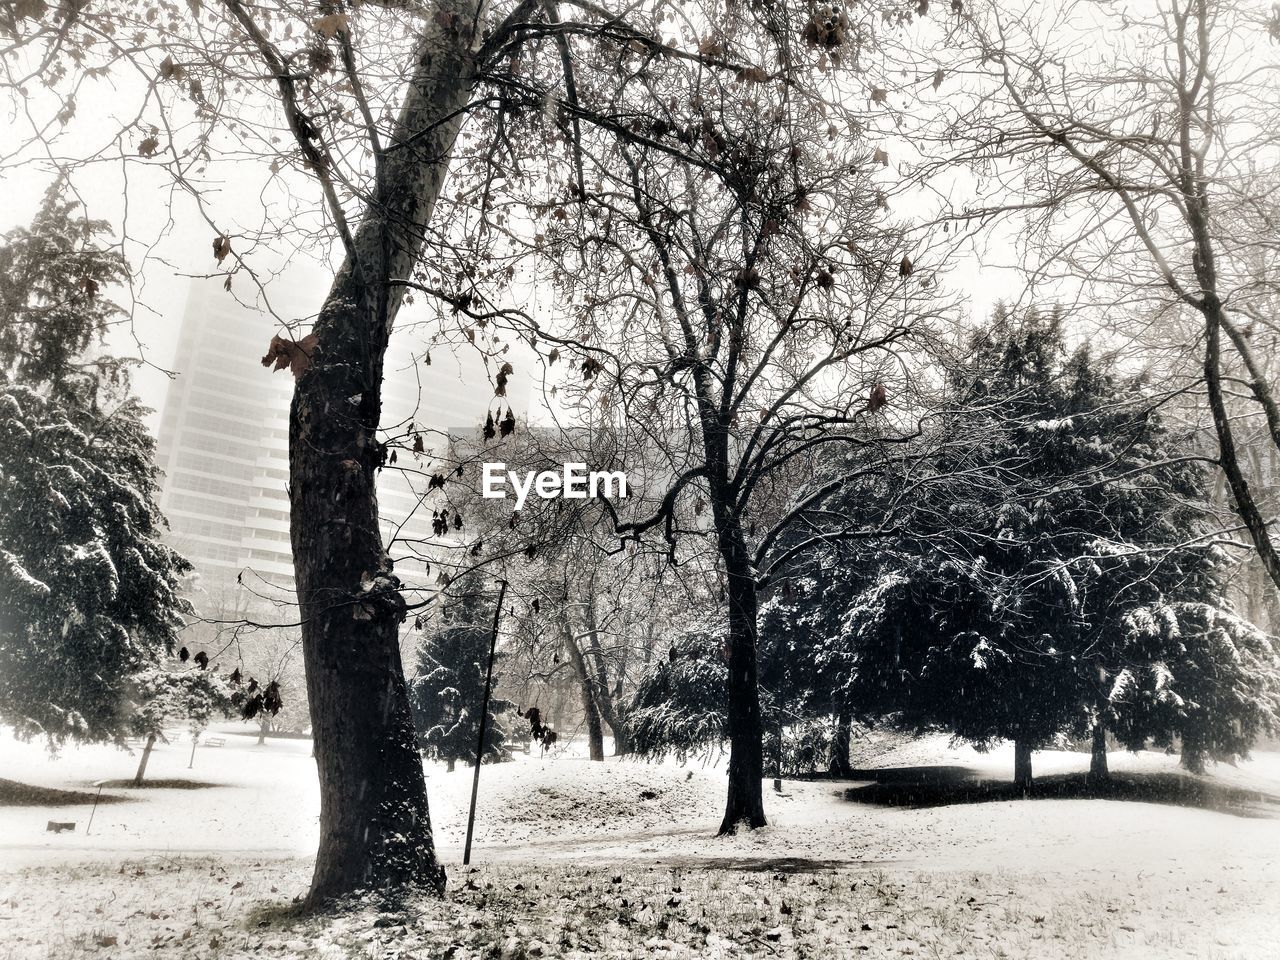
(223, 446)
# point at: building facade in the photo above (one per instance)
(223, 448)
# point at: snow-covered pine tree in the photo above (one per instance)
(88, 592)
(802, 670)
(1194, 673)
(448, 690)
(1002, 604)
(678, 707)
(172, 692)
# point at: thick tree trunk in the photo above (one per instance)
(595, 729)
(375, 827)
(621, 740)
(840, 765)
(1022, 764)
(450, 764)
(745, 803)
(142, 764)
(617, 719)
(1098, 772)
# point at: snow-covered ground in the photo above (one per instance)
(1142, 878)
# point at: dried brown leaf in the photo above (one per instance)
(294, 354)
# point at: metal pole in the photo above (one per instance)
(777, 771)
(195, 738)
(89, 825)
(484, 716)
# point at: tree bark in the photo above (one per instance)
(142, 764)
(1098, 772)
(621, 740)
(1195, 192)
(1022, 764)
(840, 765)
(375, 826)
(607, 700)
(1229, 458)
(586, 684)
(745, 802)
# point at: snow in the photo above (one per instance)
(264, 800)
(18, 575)
(253, 821)
(256, 800)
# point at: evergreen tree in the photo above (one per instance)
(801, 668)
(678, 706)
(170, 692)
(1051, 577)
(1196, 673)
(88, 592)
(448, 691)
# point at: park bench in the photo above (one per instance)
(215, 742)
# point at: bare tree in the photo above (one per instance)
(732, 289)
(1140, 145)
(582, 602)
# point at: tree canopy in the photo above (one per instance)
(1066, 578)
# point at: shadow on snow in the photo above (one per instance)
(937, 786)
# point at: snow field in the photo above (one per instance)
(210, 871)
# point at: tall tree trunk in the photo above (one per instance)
(622, 732)
(621, 738)
(586, 684)
(840, 765)
(595, 728)
(142, 764)
(745, 802)
(375, 826)
(1098, 772)
(1022, 763)
(607, 700)
(1229, 458)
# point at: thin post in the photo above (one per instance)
(89, 825)
(777, 770)
(484, 716)
(195, 738)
